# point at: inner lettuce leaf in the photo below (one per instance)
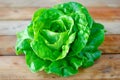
(61, 39)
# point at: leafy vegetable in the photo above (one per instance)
(61, 39)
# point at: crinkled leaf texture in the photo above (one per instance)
(61, 39)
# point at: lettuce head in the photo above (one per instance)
(61, 39)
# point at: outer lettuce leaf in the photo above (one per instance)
(91, 51)
(60, 40)
(61, 68)
(34, 63)
(24, 39)
(38, 13)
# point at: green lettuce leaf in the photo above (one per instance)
(91, 51)
(34, 63)
(23, 39)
